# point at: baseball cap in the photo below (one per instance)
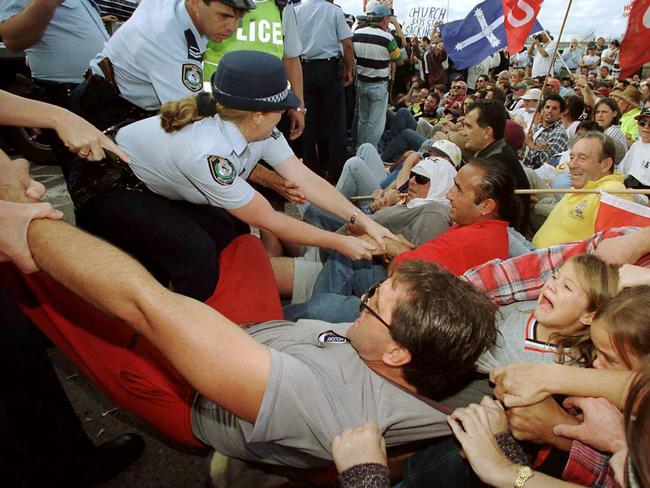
(644, 113)
(532, 94)
(444, 148)
(553, 82)
(377, 10)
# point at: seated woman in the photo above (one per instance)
(184, 195)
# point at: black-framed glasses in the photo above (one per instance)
(364, 303)
(419, 179)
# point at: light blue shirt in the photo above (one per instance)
(153, 60)
(71, 39)
(322, 27)
(206, 162)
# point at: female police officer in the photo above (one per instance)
(201, 150)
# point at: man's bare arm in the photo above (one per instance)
(26, 28)
(218, 358)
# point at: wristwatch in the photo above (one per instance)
(523, 474)
(301, 109)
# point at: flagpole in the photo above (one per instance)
(557, 48)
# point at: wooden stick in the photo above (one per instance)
(550, 68)
(627, 191)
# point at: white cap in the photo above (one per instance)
(532, 94)
(448, 148)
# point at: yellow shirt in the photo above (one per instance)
(574, 216)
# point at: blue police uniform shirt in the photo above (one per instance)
(206, 162)
(156, 55)
(322, 27)
(73, 37)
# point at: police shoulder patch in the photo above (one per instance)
(276, 133)
(222, 170)
(192, 77)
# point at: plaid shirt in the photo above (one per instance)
(522, 278)
(557, 140)
(589, 467)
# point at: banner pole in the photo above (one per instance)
(550, 68)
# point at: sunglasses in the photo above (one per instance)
(364, 303)
(419, 179)
(643, 123)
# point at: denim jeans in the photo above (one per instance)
(372, 103)
(439, 465)
(337, 291)
(407, 140)
(362, 174)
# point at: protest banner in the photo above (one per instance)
(420, 20)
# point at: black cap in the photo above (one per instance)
(645, 112)
(240, 4)
(252, 80)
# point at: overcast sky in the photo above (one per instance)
(605, 17)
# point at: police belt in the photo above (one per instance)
(335, 59)
(102, 91)
(55, 89)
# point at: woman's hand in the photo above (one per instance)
(630, 275)
(359, 446)
(378, 232)
(496, 414)
(355, 248)
(472, 429)
(602, 424)
(520, 383)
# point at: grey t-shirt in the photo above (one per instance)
(419, 224)
(317, 387)
(517, 339)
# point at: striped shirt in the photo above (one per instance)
(374, 49)
(122, 9)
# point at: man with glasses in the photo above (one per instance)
(482, 205)
(279, 392)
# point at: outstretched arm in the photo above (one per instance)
(217, 358)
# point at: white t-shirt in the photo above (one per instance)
(636, 162)
(541, 64)
(589, 59)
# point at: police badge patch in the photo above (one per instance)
(222, 170)
(192, 77)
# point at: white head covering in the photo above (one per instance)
(441, 173)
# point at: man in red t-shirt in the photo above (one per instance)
(482, 205)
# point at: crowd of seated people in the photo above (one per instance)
(450, 311)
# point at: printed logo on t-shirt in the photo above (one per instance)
(192, 77)
(276, 133)
(331, 337)
(222, 170)
(578, 211)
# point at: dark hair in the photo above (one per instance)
(555, 97)
(576, 106)
(499, 185)
(497, 94)
(611, 103)
(588, 126)
(445, 324)
(637, 428)
(491, 114)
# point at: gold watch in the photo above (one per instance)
(523, 474)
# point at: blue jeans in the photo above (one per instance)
(337, 291)
(372, 103)
(406, 140)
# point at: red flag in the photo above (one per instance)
(519, 16)
(634, 52)
(614, 211)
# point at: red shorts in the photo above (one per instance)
(126, 365)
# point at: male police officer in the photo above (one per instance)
(59, 37)
(154, 57)
(272, 29)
